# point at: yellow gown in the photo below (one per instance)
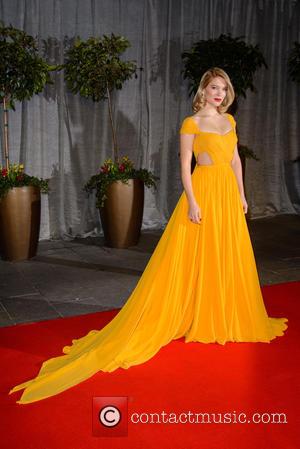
(201, 283)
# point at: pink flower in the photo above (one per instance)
(122, 168)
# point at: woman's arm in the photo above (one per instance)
(237, 168)
(186, 154)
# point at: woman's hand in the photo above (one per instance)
(194, 213)
(244, 203)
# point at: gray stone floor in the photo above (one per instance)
(76, 277)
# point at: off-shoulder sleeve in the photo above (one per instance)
(189, 126)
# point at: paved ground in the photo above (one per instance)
(84, 276)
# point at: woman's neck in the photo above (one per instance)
(209, 110)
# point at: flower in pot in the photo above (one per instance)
(23, 73)
(20, 210)
(94, 69)
(120, 197)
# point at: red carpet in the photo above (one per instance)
(235, 378)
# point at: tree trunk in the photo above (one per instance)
(115, 145)
(5, 132)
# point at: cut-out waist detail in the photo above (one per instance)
(216, 164)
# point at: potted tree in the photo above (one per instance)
(94, 69)
(239, 59)
(23, 73)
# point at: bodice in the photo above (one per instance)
(219, 147)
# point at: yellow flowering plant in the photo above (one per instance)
(14, 176)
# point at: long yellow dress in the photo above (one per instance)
(201, 283)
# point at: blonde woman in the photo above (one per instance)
(201, 282)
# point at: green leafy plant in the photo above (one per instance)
(239, 60)
(93, 69)
(247, 152)
(111, 171)
(23, 72)
(294, 63)
(14, 176)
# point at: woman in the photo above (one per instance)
(201, 281)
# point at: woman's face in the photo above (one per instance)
(215, 91)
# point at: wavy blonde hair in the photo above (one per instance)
(199, 99)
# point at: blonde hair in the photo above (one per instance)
(199, 99)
